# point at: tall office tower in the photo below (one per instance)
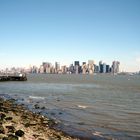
(84, 68)
(104, 67)
(76, 66)
(100, 66)
(41, 69)
(77, 69)
(71, 68)
(107, 68)
(91, 66)
(57, 67)
(64, 69)
(47, 67)
(96, 68)
(76, 63)
(115, 66)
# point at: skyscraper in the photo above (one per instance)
(104, 67)
(115, 66)
(57, 67)
(91, 66)
(76, 63)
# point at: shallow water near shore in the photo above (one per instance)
(89, 107)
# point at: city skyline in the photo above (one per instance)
(65, 31)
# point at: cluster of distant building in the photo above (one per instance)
(76, 68)
(85, 68)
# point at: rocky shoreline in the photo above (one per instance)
(18, 123)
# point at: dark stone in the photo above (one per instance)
(2, 129)
(1, 104)
(36, 106)
(8, 118)
(19, 133)
(2, 116)
(60, 113)
(51, 123)
(12, 137)
(5, 138)
(27, 125)
(36, 136)
(11, 129)
(43, 107)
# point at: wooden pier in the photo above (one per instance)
(13, 77)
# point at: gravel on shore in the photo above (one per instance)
(18, 123)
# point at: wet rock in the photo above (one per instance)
(43, 107)
(36, 106)
(11, 129)
(27, 124)
(12, 137)
(51, 122)
(2, 130)
(36, 136)
(8, 118)
(1, 104)
(19, 133)
(5, 138)
(2, 116)
(60, 113)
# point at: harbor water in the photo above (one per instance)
(86, 106)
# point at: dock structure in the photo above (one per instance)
(13, 77)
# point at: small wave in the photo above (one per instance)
(82, 106)
(96, 133)
(36, 97)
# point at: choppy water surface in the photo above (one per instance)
(99, 106)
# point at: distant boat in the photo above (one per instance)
(13, 77)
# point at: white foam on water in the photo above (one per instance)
(36, 97)
(82, 106)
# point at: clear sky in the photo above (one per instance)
(32, 31)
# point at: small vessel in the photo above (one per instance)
(13, 77)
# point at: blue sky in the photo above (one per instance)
(32, 31)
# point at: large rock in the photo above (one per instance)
(19, 133)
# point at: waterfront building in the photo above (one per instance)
(34, 69)
(91, 66)
(107, 69)
(41, 69)
(76, 63)
(71, 68)
(47, 67)
(84, 68)
(76, 67)
(57, 67)
(64, 69)
(115, 66)
(100, 67)
(104, 67)
(96, 68)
